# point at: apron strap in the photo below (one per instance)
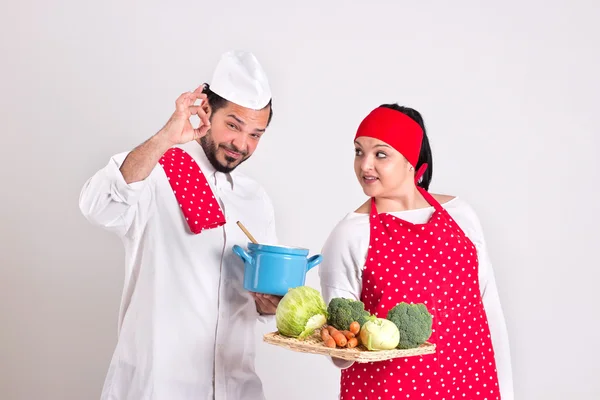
(430, 199)
(374, 213)
(196, 199)
(420, 172)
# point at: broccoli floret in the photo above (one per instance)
(414, 323)
(342, 312)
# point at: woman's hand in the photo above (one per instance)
(266, 304)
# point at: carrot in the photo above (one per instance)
(332, 329)
(352, 343)
(329, 342)
(349, 335)
(339, 338)
(355, 327)
(325, 334)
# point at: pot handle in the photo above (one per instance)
(242, 254)
(314, 261)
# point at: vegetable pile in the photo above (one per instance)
(344, 323)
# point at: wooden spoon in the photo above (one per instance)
(243, 228)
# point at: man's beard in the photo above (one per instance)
(210, 149)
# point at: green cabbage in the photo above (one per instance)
(300, 312)
(379, 334)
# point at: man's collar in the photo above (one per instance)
(195, 150)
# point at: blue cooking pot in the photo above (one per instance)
(273, 269)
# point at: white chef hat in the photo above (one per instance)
(240, 79)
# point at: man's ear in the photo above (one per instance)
(206, 108)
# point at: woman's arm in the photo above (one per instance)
(496, 322)
(344, 254)
(492, 306)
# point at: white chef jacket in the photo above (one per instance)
(186, 325)
(344, 257)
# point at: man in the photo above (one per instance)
(186, 325)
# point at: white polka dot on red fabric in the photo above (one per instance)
(192, 212)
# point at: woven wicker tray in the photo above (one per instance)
(360, 354)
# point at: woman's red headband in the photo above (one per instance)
(396, 129)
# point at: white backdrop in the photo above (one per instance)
(509, 93)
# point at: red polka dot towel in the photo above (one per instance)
(436, 264)
(194, 195)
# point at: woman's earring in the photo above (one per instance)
(411, 168)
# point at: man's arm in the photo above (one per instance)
(120, 192)
(178, 130)
(141, 161)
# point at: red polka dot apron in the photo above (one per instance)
(192, 191)
(436, 264)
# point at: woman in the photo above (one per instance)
(407, 245)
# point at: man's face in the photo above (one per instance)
(233, 135)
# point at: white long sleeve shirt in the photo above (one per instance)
(345, 252)
(186, 325)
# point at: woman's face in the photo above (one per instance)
(381, 170)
